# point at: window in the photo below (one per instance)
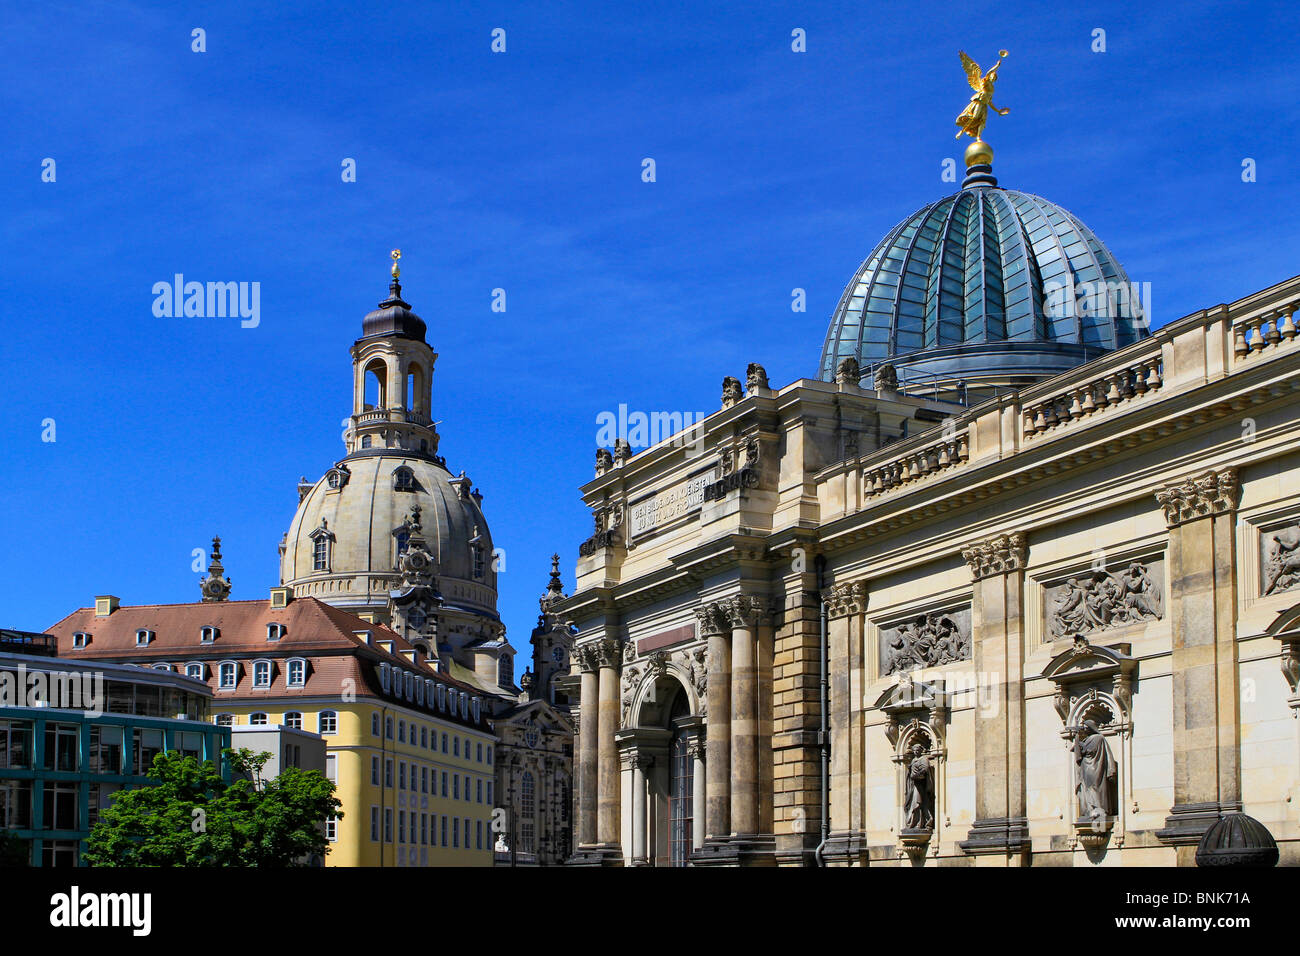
(80, 639)
(374, 723)
(195, 671)
(293, 720)
(274, 632)
(297, 672)
(478, 835)
(261, 673)
(208, 634)
(257, 720)
(62, 749)
(365, 441)
(388, 825)
(489, 755)
(106, 749)
(292, 755)
(505, 671)
(148, 744)
(322, 545)
(374, 824)
(527, 811)
(424, 779)
(332, 768)
(401, 731)
(444, 743)
(444, 783)
(455, 786)
(478, 562)
(374, 771)
(332, 829)
(455, 746)
(226, 672)
(455, 832)
(401, 826)
(444, 831)
(388, 727)
(143, 637)
(403, 479)
(328, 723)
(474, 709)
(478, 790)
(401, 775)
(489, 791)
(388, 773)
(225, 720)
(424, 736)
(161, 667)
(60, 806)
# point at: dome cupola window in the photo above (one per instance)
(403, 479)
(322, 547)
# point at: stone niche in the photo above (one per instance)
(926, 639)
(1105, 598)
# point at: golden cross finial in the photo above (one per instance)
(396, 254)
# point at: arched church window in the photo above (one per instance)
(320, 555)
(527, 810)
(365, 441)
(505, 671)
(403, 479)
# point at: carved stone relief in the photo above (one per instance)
(1097, 600)
(1280, 559)
(927, 640)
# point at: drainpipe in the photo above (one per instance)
(823, 731)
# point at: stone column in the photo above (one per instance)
(588, 741)
(609, 791)
(714, 626)
(743, 613)
(698, 791)
(847, 843)
(1001, 826)
(1201, 513)
(640, 825)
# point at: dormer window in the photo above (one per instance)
(194, 670)
(442, 697)
(403, 479)
(474, 709)
(143, 637)
(274, 632)
(80, 639)
(161, 667)
(385, 677)
(227, 674)
(261, 674)
(208, 634)
(297, 672)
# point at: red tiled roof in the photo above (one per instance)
(312, 629)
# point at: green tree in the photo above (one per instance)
(192, 817)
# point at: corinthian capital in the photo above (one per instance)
(845, 599)
(608, 651)
(1212, 493)
(998, 555)
(710, 620)
(744, 610)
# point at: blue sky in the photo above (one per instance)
(522, 171)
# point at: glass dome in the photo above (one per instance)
(988, 287)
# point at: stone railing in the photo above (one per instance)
(908, 464)
(1131, 377)
(1265, 329)
(391, 415)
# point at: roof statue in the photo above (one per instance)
(976, 114)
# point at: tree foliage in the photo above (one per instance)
(190, 816)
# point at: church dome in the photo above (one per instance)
(991, 287)
(362, 508)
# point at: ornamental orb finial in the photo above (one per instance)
(396, 255)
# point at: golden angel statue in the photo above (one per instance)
(976, 113)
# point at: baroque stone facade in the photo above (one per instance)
(924, 633)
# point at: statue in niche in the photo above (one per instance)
(1103, 600)
(1096, 771)
(928, 641)
(918, 810)
(1282, 566)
